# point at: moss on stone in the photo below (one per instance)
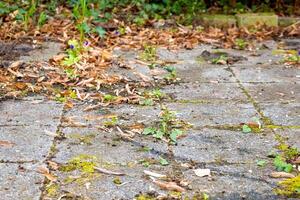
(289, 187)
(52, 189)
(83, 163)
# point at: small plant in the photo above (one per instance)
(149, 53)
(253, 126)
(113, 122)
(100, 31)
(163, 161)
(169, 127)
(240, 44)
(109, 98)
(26, 15)
(171, 77)
(261, 163)
(288, 153)
(150, 97)
(63, 97)
(74, 52)
(282, 165)
(292, 59)
(42, 19)
(71, 73)
(220, 60)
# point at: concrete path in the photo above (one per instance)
(216, 99)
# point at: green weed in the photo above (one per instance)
(169, 127)
(240, 44)
(222, 59)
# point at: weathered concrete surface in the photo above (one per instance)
(274, 92)
(234, 181)
(35, 112)
(200, 114)
(216, 99)
(19, 181)
(213, 146)
(247, 20)
(30, 143)
(267, 73)
(283, 114)
(206, 92)
(43, 53)
(29, 127)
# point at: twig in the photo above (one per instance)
(105, 171)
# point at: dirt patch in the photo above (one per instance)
(219, 57)
(12, 51)
(27, 52)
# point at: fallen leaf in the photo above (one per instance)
(297, 161)
(202, 172)
(6, 143)
(143, 77)
(172, 186)
(154, 174)
(53, 165)
(105, 171)
(46, 173)
(58, 57)
(281, 175)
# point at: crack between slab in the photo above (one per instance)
(18, 161)
(13, 125)
(205, 101)
(52, 151)
(266, 120)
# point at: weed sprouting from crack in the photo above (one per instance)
(148, 98)
(168, 128)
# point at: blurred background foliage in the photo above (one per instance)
(140, 11)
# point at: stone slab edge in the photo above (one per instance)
(223, 21)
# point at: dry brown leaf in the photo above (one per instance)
(20, 85)
(107, 56)
(4, 143)
(15, 64)
(154, 174)
(172, 186)
(58, 57)
(53, 165)
(296, 161)
(46, 173)
(143, 77)
(281, 175)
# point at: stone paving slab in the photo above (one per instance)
(230, 182)
(107, 147)
(212, 99)
(38, 112)
(19, 181)
(282, 114)
(274, 92)
(268, 73)
(212, 146)
(211, 114)
(102, 186)
(293, 136)
(30, 143)
(127, 114)
(205, 92)
(210, 74)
